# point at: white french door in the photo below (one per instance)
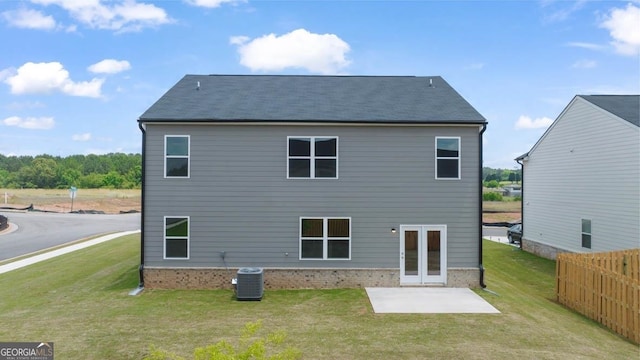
(423, 254)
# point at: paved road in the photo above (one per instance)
(494, 231)
(34, 231)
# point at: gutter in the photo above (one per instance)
(518, 160)
(140, 287)
(480, 159)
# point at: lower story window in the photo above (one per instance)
(176, 237)
(325, 238)
(586, 233)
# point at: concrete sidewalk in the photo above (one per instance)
(428, 300)
(64, 250)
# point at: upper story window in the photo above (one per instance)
(586, 233)
(176, 156)
(176, 237)
(312, 157)
(325, 238)
(447, 158)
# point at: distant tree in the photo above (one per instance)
(91, 181)
(46, 171)
(113, 180)
(512, 176)
(492, 184)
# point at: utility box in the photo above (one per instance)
(249, 284)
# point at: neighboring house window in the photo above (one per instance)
(586, 233)
(312, 157)
(176, 156)
(447, 158)
(176, 237)
(325, 238)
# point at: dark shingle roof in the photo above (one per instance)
(626, 107)
(271, 98)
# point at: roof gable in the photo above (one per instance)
(626, 107)
(351, 99)
(621, 106)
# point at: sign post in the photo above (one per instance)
(72, 194)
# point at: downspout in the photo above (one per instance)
(521, 197)
(480, 159)
(141, 267)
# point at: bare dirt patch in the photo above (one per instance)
(501, 211)
(108, 201)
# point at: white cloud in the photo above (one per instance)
(624, 28)
(475, 66)
(589, 46)
(317, 53)
(35, 78)
(525, 122)
(238, 40)
(563, 13)
(110, 66)
(29, 19)
(123, 15)
(81, 137)
(584, 64)
(211, 3)
(37, 123)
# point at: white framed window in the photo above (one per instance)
(325, 238)
(448, 158)
(176, 237)
(176, 156)
(586, 233)
(312, 157)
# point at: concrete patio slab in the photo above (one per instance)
(418, 300)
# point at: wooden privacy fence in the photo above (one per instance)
(604, 287)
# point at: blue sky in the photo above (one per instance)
(75, 75)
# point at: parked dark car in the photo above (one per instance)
(514, 234)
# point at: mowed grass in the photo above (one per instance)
(80, 301)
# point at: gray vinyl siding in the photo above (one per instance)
(587, 166)
(240, 201)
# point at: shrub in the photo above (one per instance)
(492, 196)
(251, 347)
(492, 184)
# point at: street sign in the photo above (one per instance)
(72, 192)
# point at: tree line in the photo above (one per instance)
(489, 174)
(114, 170)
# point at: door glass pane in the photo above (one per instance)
(433, 253)
(411, 252)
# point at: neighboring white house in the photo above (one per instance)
(581, 180)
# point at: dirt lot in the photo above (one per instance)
(501, 211)
(58, 200)
(116, 201)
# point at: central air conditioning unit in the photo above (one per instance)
(249, 284)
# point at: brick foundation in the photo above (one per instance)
(287, 278)
(542, 250)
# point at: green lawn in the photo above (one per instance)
(80, 301)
